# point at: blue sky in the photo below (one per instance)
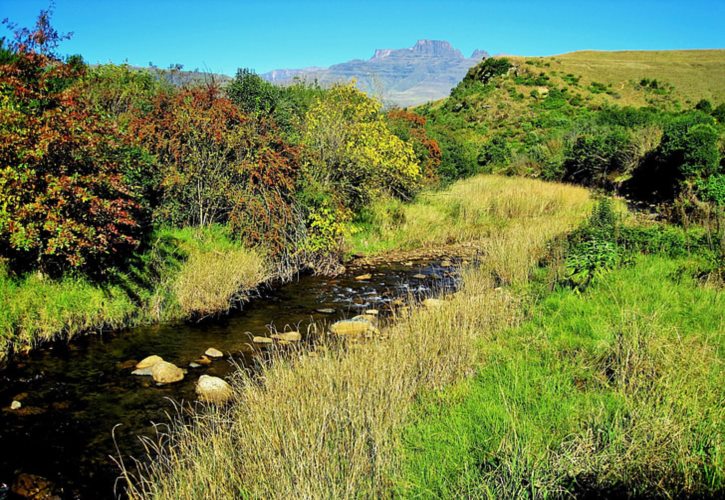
(222, 35)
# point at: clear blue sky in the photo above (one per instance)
(222, 35)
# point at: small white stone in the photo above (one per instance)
(214, 353)
(15, 405)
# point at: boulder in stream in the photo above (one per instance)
(352, 327)
(33, 487)
(214, 353)
(213, 389)
(148, 362)
(287, 336)
(262, 340)
(166, 373)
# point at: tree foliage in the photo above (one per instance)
(64, 199)
(351, 152)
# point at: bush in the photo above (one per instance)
(485, 71)
(594, 156)
(65, 202)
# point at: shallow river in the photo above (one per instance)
(72, 395)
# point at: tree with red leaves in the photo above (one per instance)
(63, 201)
(410, 127)
(219, 165)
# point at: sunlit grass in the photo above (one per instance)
(616, 389)
(328, 425)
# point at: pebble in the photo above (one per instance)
(16, 405)
(326, 310)
(194, 365)
(203, 360)
(364, 277)
(420, 276)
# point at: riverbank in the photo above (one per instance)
(196, 272)
(328, 424)
(184, 273)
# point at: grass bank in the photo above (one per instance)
(328, 424)
(614, 390)
(184, 273)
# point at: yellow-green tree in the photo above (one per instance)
(350, 152)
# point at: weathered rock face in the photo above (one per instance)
(213, 390)
(405, 77)
(164, 372)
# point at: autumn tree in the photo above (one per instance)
(218, 165)
(351, 152)
(64, 203)
(410, 127)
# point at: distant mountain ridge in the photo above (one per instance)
(427, 71)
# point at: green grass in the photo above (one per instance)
(616, 389)
(184, 272)
(468, 211)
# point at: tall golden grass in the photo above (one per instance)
(327, 424)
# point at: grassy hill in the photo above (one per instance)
(524, 113)
(694, 74)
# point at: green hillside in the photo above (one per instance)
(605, 113)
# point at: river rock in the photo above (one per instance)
(420, 276)
(446, 263)
(352, 327)
(326, 310)
(166, 373)
(33, 487)
(213, 389)
(287, 336)
(372, 312)
(370, 318)
(214, 353)
(149, 362)
(194, 364)
(203, 360)
(262, 340)
(432, 303)
(16, 405)
(142, 371)
(364, 277)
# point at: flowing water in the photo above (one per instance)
(73, 394)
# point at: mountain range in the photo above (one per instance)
(402, 77)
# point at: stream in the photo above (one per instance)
(73, 394)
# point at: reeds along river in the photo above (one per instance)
(73, 394)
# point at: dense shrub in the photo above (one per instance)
(594, 156)
(410, 127)
(64, 199)
(487, 70)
